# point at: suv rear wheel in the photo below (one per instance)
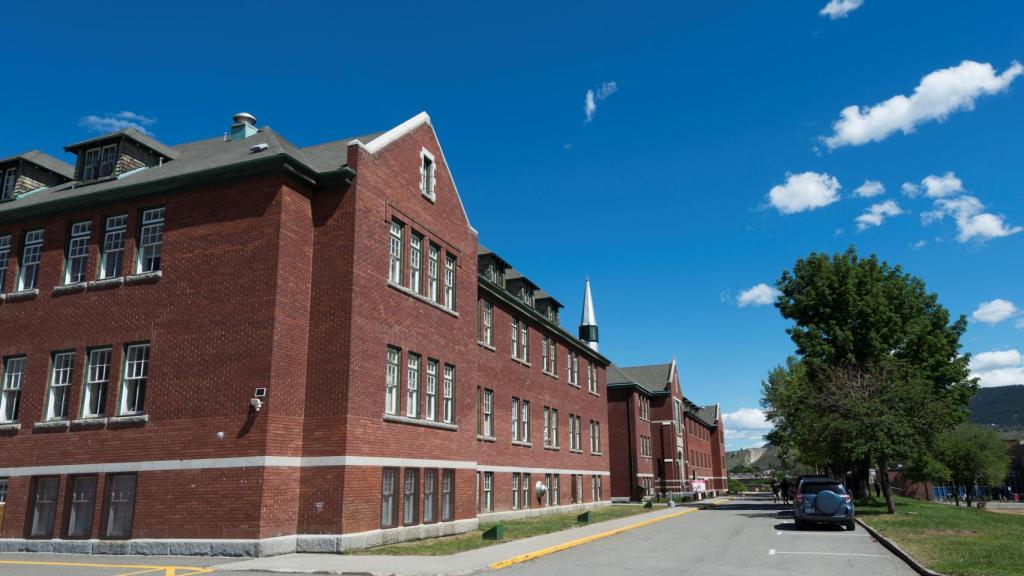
(851, 525)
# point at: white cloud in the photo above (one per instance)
(760, 295)
(971, 222)
(998, 367)
(995, 311)
(942, 186)
(939, 94)
(877, 213)
(806, 191)
(836, 9)
(746, 424)
(910, 189)
(919, 244)
(870, 189)
(592, 98)
(119, 121)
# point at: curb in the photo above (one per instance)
(892, 547)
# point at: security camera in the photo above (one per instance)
(256, 404)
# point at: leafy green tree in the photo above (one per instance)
(878, 374)
(971, 453)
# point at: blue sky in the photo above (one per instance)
(664, 197)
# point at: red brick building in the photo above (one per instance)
(237, 346)
(661, 442)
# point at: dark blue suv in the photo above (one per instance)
(822, 500)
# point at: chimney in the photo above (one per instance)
(243, 127)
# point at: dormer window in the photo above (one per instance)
(9, 177)
(99, 162)
(428, 179)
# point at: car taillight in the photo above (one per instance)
(848, 498)
(799, 499)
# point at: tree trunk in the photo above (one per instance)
(956, 491)
(883, 471)
(863, 470)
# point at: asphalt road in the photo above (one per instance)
(743, 537)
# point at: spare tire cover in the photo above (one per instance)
(827, 502)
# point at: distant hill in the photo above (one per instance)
(1001, 407)
(763, 458)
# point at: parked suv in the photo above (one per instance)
(822, 500)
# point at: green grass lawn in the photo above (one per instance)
(514, 530)
(954, 541)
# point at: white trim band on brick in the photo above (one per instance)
(237, 462)
(488, 468)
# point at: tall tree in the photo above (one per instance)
(971, 453)
(878, 374)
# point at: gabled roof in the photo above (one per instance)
(333, 155)
(654, 378)
(132, 133)
(46, 162)
(542, 295)
(709, 414)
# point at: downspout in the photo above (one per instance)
(629, 430)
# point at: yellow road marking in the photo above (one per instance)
(141, 568)
(584, 540)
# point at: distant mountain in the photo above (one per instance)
(1001, 407)
(763, 458)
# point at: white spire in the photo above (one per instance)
(588, 321)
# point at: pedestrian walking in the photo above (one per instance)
(785, 491)
(775, 491)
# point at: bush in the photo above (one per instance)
(736, 486)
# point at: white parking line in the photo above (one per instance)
(773, 552)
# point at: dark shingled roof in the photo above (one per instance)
(708, 414)
(653, 378)
(45, 161)
(137, 135)
(333, 155)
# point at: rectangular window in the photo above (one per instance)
(136, 373)
(395, 251)
(429, 496)
(432, 273)
(527, 492)
(488, 491)
(410, 497)
(391, 381)
(449, 281)
(554, 428)
(108, 160)
(77, 253)
(572, 362)
(572, 432)
(447, 495)
(113, 246)
(595, 437)
(97, 376)
(61, 367)
(5, 254)
(427, 176)
(524, 428)
(91, 166)
(412, 387)
(524, 342)
(82, 506)
(3, 490)
(431, 389)
(515, 491)
(545, 359)
(548, 484)
(449, 394)
(44, 506)
(577, 496)
(7, 186)
(515, 419)
(592, 378)
(31, 253)
(488, 413)
(151, 239)
(388, 508)
(515, 338)
(555, 498)
(487, 323)
(416, 263)
(547, 426)
(10, 392)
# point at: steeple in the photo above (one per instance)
(588, 322)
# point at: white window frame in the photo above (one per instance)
(151, 241)
(487, 319)
(77, 254)
(448, 409)
(392, 380)
(515, 419)
(527, 491)
(62, 367)
(547, 426)
(592, 383)
(412, 386)
(395, 245)
(487, 409)
(524, 342)
(416, 263)
(447, 495)
(449, 281)
(431, 391)
(524, 433)
(5, 255)
(31, 255)
(97, 380)
(515, 338)
(10, 387)
(112, 259)
(410, 496)
(134, 379)
(433, 272)
(388, 509)
(488, 502)
(107, 161)
(428, 175)
(515, 490)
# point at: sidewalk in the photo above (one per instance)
(463, 563)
